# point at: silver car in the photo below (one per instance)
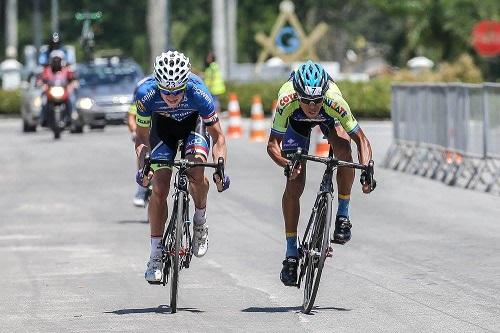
(31, 104)
(106, 88)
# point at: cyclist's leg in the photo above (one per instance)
(341, 145)
(296, 136)
(157, 211)
(164, 148)
(197, 146)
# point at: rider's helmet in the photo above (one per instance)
(56, 60)
(171, 70)
(55, 41)
(310, 80)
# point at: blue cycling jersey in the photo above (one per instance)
(197, 99)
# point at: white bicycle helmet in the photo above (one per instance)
(172, 69)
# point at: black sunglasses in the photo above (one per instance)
(306, 100)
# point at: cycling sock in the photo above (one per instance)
(155, 247)
(291, 244)
(343, 207)
(200, 217)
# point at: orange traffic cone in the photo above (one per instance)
(322, 145)
(233, 108)
(257, 128)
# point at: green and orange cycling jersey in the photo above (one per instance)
(334, 108)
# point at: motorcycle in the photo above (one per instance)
(57, 111)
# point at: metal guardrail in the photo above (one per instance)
(448, 132)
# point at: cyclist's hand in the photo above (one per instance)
(222, 185)
(367, 188)
(141, 180)
(292, 173)
(367, 181)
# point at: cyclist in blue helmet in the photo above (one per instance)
(309, 98)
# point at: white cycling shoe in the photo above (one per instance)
(139, 197)
(200, 240)
(153, 271)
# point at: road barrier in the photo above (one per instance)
(448, 132)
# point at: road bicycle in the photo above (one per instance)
(315, 245)
(177, 240)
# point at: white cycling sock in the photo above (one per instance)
(155, 247)
(200, 217)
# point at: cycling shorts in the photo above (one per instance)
(298, 135)
(166, 134)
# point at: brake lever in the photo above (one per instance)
(147, 166)
(293, 163)
(369, 173)
(220, 173)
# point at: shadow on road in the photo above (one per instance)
(159, 309)
(275, 309)
(132, 221)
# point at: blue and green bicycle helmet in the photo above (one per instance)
(310, 80)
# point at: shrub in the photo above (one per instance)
(10, 102)
(367, 99)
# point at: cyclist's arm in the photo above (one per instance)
(284, 110)
(274, 150)
(338, 108)
(219, 141)
(132, 126)
(143, 122)
(364, 147)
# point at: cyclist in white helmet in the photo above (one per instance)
(173, 105)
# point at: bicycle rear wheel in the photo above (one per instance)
(317, 243)
(174, 270)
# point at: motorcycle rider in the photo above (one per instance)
(57, 66)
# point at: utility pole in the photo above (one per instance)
(156, 13)
(37, 25)
(168, 25)
(11, 25)
(54, 16)
(232, 12)
(219, 35)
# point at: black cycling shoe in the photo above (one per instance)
(288, 273)
(342, 233)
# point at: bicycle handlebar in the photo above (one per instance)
(183, 164)
(367, 176)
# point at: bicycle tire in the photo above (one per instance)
(174, 271)
(320, 238)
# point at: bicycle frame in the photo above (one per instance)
(180, 185)
(177, 239)
(315, 245)
(326, 186)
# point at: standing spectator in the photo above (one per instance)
(213, 79)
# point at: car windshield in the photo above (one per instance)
(106, 75)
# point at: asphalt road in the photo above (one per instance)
(424, 257)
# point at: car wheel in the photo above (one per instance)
(99, 127)
(28, 128)
(76, 129)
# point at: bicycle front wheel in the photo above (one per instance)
(177, 233)
(318, 242)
